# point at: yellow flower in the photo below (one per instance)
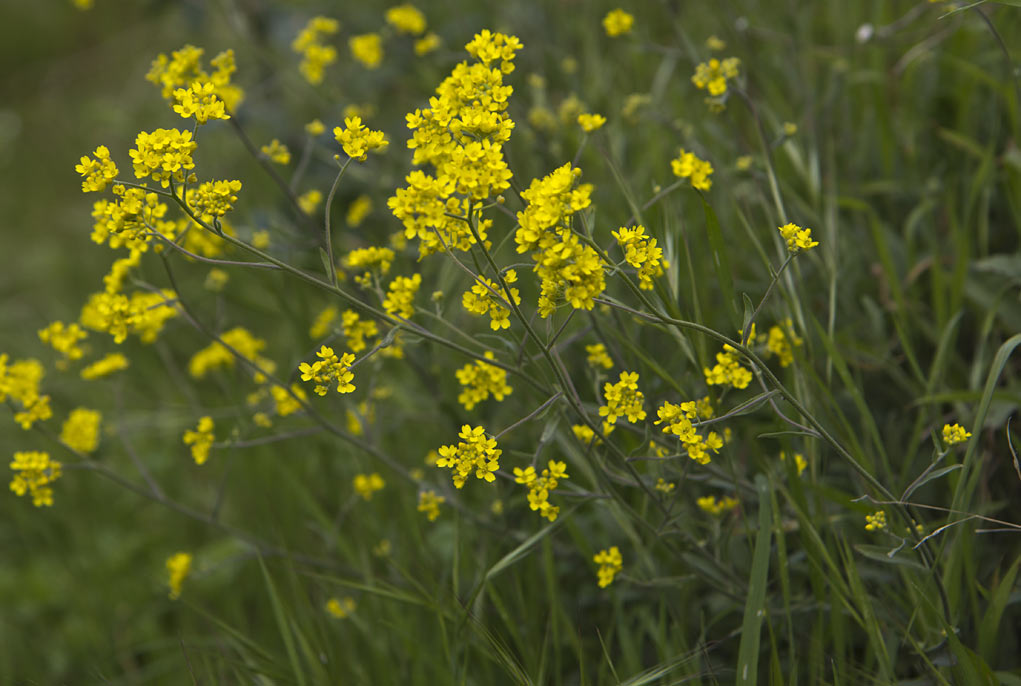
(610, 562)
(716, 507)
(688, 166)
(178, 567)
(591, 122)
(81, 430)
(341, 608)
(316, 54)
(327, 369)
(429, 504)
(797, 238)
(406, 18)
(367, 48)
(357, 140)
(427, 43)
(799, 461)
(113, 362)
(875, 521)
(954, 434)
(315, 128)
(366, 485)
(98, 172)
(277, 152)
(200, 101)
(200, 439)
(473, 452)
(358, 210)
(33, 472)
(480, 380)
(309, 201)
(617, 23)
(598, 357)
(623, 399)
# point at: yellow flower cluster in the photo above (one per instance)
(623, 399)
(797, 238)
(33, 472)
(125, 222)
(214, 199)
(591, 122)
(427, 43)
(617, 23)
(309, 201)
(610, 562)
(184, 68)
(688, 166)
(598, 357)
(114, 362)
(178, 568)
(480, 380)
(98, 172)
(316, 55)
(327, 369)
(954, 434)
(473, 452)
(81, 430)
(461, 135)
(200, 439)
(406, 18)
(141, 314)
(782, 341)
(716, 507)
(19, 382)
(366, 485)
(356, 330)
(357, 140)
(714, 74)
(728, 370)
(216, 355)
(285, 403)
(199, 101)
(875, 521)
(642, 253)
(480, 300)
(566, 268)
(678, 421)
(373, 259)
(64, 339)
(277, 152)
(664, 486)
(164, 154)
(540, 486)
(358, 210)
(429, 504)
(401, 295)
(367, 48)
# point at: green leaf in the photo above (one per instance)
(721, 262)
(755, 602)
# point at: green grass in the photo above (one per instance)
(905, 165)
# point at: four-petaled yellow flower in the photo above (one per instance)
(688, 166)
(200, 101)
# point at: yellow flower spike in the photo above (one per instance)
(357, 140)
(98, 172)
(797, 238)
(81, 430)
(367, 48)
(591, 122)
(875, 521)
(429, 504)
(623, 399)
(200, 439)
(474, 452)
(33, 472)
(277, 152)
(366, 485)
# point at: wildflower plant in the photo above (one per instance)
(534, 277)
